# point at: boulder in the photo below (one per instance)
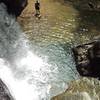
(82, 89)
(94, 56)
(87, 58)
(15, 7)
(4, 92)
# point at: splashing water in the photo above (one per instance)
(20, 84)
(20, 90)
(28, 76)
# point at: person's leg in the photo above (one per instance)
(39, 11)
(36, 13)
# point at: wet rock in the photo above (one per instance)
(85, 4)
(15, 6)
(4, 92)
(87, 58)
(82, 89)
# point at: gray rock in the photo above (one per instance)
(82, 89)
(4, 92)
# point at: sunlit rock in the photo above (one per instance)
(82, 89)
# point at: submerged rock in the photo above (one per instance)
(4, 92)
(82, 89)
(15, 6)
(87, 58)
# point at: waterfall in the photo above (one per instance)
(16, 58)
(18, 64)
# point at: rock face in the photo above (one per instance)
(15, 6)
(87, 58)
(4, 92)
(85, 4)
(82, 89)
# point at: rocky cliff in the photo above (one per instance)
(15, 7)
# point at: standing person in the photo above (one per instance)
(37, 8)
